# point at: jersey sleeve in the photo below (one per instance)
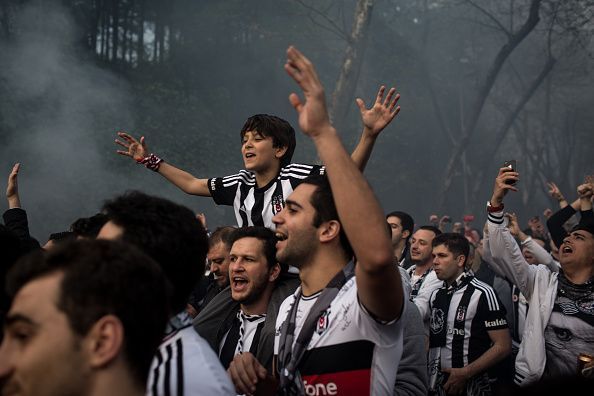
(223, 189)
(492, 312)
(296, 173)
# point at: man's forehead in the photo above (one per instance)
(393, 220)
(583, 233)
(37, 299)
(424, 235)
(301, 195)
(218, 249)
(247, 246)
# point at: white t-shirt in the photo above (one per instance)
(350, 353)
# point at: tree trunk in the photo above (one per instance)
(468, 128)
(140, 43)
(506, 126)
(115, 32)
(351, 65)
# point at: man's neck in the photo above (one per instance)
(577, 275)
(421, 268)
(116, 380)
(450, 281)
(399, 250)
(260, 306)
(320, 271)
(265, 176)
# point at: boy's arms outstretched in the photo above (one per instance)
(137, 150)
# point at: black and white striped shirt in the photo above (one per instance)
(255, 205)
(186, 365)
(468, 310)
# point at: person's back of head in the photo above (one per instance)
(221, 234)
(167, 232)
(281, 132)
(114, 301)
(88, 227)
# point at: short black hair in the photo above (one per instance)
(406, 220)
(281, 132)
(105, 278)
(431, 228)
(221, 234)
(167, 232)
(62, 236)
(323, 202)
(89, 227)
(455, 243)
(268, 239)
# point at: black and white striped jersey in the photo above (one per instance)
(255, 205)
(464, 315)
(186, 365)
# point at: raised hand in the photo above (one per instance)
(502, 185)
(381, 113)
(12, 187)
(313, 114)
(514, 227)
(555, 192)
(135, 149)
(585, 191)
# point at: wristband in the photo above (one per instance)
(493, 209)
(151, 162)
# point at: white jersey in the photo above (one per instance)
(350, 353)
(186, 365)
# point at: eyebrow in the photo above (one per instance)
(15, 318)
(293, 203)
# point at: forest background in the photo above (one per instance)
(482, 81)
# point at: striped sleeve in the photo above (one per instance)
(223, 189)
(296, 173)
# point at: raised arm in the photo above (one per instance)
(542, 256)
(378, 280)
(138, 151)
(504, 248)
(12, 188)
(374, 120)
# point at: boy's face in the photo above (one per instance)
(259, 153)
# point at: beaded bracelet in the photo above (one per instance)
(152, 162)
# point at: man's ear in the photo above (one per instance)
(274, 272)
(405, 234)
(105, 341)
(280, 151)
(329, 230)
(461, 259)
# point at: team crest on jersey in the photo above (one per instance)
(437, 320)
(461, 313)
(277, 203)
(323, 322)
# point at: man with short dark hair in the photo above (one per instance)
(338, 331)
(559, 325)
(172, 236)
(248, 331)
(401, 227)
(469, 331)
(81, 321)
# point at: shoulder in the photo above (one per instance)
(487, 294)
(299, 171)
(241, 177)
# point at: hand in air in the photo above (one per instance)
(135, 149)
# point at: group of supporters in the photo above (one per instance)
(315, 291)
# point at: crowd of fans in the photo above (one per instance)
(315, 290)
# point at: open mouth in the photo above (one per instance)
(239, 284)
(280, 236)
(567, 249)
(250, 155)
